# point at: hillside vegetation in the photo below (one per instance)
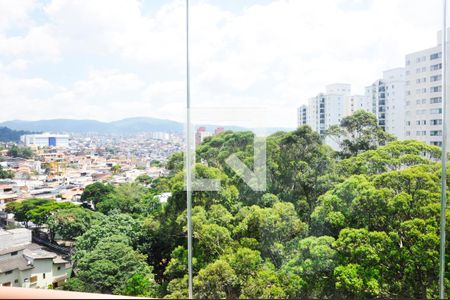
(360, 223)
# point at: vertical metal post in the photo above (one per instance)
(444, 154)
(188, 157)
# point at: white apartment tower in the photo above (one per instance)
(394, 81)
(302, 115)
(386, 99)
(423, 111)
(357, 102)
(326, 109)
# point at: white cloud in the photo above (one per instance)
(273, 55)
(15, 13)
(37, 44)
(24, 97)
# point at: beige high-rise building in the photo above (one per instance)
(423, 95)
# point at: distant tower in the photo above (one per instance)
(201, 134)
(219, 130)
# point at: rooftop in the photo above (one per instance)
(38, 254)
(15, 262)
(19, 248)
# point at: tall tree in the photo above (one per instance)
(96, 192)
(72, 222)
(359, 132)
(111, 268)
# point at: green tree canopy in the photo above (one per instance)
(22, 152)
(359, 132)
(36, 210)
(96, 192)
(116, 224)
(72, 222)
(130, 198)
(5, 174)
(113, 267)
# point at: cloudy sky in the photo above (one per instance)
(112, 59)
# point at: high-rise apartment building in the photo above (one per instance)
(302, 115)
(357, 102)
(386, 99)
(394, 81)
(325, 109)
(423, 111)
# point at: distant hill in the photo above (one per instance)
(9, 135)
(131, 125)
(125, 126)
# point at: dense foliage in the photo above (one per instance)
(9, 135)
(5, 174)
(21, 152)
(359, 132)
(36, 210)
(360, 225)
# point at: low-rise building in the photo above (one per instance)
(46, 140)
(25, 264)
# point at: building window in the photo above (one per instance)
(435, 89)
(436, 100)
(435, 67)
(43, 275)
(435, 78)
(408, 133)
(408, 62)
(8, 272)
(435, 111)
(13, 253)
(421, 122)
(59, 268)
(435, 55)
(436, 143)
(436, 122)
(16, 280)
(436, 133)
(33, 279)
(6, 284)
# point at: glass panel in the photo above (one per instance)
(224, 149)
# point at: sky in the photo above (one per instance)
(114, 59)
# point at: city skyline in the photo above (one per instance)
(130, 61)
